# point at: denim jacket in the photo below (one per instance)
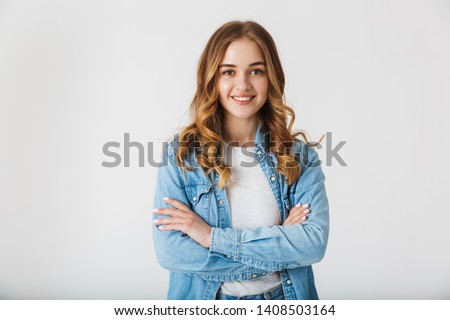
(197, 272)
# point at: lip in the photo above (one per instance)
(243, 102)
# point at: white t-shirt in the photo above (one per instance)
(252, 204)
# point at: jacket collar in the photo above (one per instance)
(260, 134)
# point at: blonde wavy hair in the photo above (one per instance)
(204, 134)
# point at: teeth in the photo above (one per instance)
(242, 98)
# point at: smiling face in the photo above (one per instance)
(243, 81)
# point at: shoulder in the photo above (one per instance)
(172, 145)
(299, 145)
(171, 150)
(305, 154)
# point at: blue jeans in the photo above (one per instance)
(274, 294)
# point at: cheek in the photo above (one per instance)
(224, 89)
(262, 86)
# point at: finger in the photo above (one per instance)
(296, 220)
(299, 212)
(288, 221)
(301, 219)
(291, 219)
(177, 204)
(292, 222)
(294, 211)
(292, 216)
(297, 217)
(167, 221)
(299, 207)
(167, 211)
(175, 226)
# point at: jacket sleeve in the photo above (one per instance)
(175, 250)
(284, 247)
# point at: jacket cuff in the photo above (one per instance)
(226, 241)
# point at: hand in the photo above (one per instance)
(297, 214)
(185, 220)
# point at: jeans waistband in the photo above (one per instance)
(273, 294)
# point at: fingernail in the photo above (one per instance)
(305, 205)
(160, 227)
(298, 205)
(156, 220)
(306, 211)
(165, 198)
(303, 218)
(154, 210)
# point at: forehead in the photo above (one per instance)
(243, 51)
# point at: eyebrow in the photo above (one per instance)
(250, 65)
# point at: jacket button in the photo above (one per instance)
(272, 178)
(221, 202)
(254, 275)
(289, 281)
(259, 152)
(264, 273)
(194, 199)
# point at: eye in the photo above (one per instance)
(257, 72)
(227, 72)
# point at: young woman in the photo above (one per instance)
(241, 208)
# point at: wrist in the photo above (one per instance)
(207, 239)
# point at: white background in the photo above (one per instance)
(77, 74)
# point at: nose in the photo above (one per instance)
(242, 82)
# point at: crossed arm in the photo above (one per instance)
(181, 218)
(186, 243)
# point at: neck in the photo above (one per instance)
(240, 132)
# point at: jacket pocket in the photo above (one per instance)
(199, 197)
